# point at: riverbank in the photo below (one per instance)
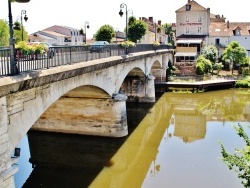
(225, 80)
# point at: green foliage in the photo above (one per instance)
(137, 30)
(127, 44)
(245, 83)
(210, 52)
(29, 49)
(218, 66)
(4, 33)
(170, 32)
(200, 68)
(244, 71)
(240, 160)
(105, 33)
(156, 43)
(131, 20)
(203, 65)
(235, 52)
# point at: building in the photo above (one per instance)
(222, 33)
(58, 35)
(192, 31)
(196, 28)
(155, 32)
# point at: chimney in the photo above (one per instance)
(228, 24)
(150, 19)
(159, 22)
(189, 1)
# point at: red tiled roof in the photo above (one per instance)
(227, 28)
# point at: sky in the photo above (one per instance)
(74, 13)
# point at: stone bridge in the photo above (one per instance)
(83, 98)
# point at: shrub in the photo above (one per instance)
(240, 160)
(200, 69)
(127, 44)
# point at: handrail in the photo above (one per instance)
(62, 55)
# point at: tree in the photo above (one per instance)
(236, 53)
(105, 33)
(203, 65)
(170, 32)
(4, 33)
(239, 161)
(137, 30)
(210, 52)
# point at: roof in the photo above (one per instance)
(194, 7)
(224, 29)
(189, 41)
(186, 54)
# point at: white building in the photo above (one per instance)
(58, 35)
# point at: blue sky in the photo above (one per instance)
(74, 13)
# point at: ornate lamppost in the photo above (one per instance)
(25, 19)
(86, 27)
(123, 5)
(13, 62)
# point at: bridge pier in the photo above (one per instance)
(86, 116)
(6, 169)
(139, 88)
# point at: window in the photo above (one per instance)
(188, 7)
(199, 18)
(217, 41)
(187, 29)
(199, 29)
(187, 18)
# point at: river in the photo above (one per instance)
(173, 143)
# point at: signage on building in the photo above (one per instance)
(183, 24)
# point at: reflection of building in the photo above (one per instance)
(190, 125)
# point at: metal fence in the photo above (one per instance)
(62, 55)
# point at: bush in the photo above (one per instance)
(200, 69)
(242, 84)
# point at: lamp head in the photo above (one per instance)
(121, 13)
(25, 18)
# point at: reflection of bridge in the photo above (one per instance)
(83, 98)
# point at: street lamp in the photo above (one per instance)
(130, 12)
(123, 5)
(86, 27)
(13, 62)
(25, 19)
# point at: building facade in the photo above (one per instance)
(58, 35)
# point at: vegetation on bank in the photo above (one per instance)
(240, 160)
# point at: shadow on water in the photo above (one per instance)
(62, 160)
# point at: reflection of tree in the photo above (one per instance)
(192, 111)
(230, 106)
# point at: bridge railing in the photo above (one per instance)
(62, 55)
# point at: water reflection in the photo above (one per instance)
(174, 145)
(61, 160)
(168, 148)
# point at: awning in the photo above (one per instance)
(189, 41)
(190, 54)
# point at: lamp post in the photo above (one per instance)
(123, 5)
(155, 30)
(13, 62)
(25, 19)
(86, 27)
